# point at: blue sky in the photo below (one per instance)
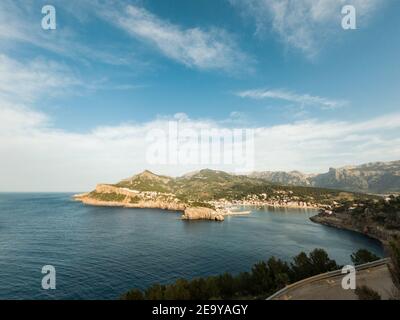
(283, 67)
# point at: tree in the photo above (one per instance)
(321, 262)
(226, 285)
(278, 272)
(260, 278)
(394, 266)
(317, 262)
(134, 294)
(198, 289)
(155, 292)
(243, 284)
(363, 256)
(212, 287)
(177, 291)
(301, 267)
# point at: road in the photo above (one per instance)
(328, 286)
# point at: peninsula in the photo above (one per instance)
(209, 194)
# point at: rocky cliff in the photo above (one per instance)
(199, 213)
(373, 230)
(292, 178)
(376, 177)
(379, 219)
(112, 196)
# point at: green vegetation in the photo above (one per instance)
(385, 212)
(264, 279)
(134, 199)
(363, 256)
(134, 294)
(207, 185)
(147, 181)
(201, 204)
(110, 197)
(145, 185)
(366, 293)
(394, 267)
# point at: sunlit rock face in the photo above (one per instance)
(376, 177)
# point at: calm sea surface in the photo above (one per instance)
(99, 253)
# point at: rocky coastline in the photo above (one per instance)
(112, 196)
(366, 227)
(209, 194)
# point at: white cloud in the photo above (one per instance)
(315, 145)
(23, 84)
(16, 118)
(37, 156)
(206, 49)
(26, 82)
(194, 47)
(20, 23)
(302, 99)
(304, 24)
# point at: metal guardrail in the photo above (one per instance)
(326, 275)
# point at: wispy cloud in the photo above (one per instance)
(303, 24)
(20, 24)
(302, 99)
(202, 48)
(194, 47)
(25, 82)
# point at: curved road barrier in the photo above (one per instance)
(328, 285)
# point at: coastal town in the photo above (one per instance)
(148, 190)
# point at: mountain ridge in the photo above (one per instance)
(372, 177)
(208, 194)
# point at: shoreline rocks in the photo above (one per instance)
(343, 222)
(201, 213)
